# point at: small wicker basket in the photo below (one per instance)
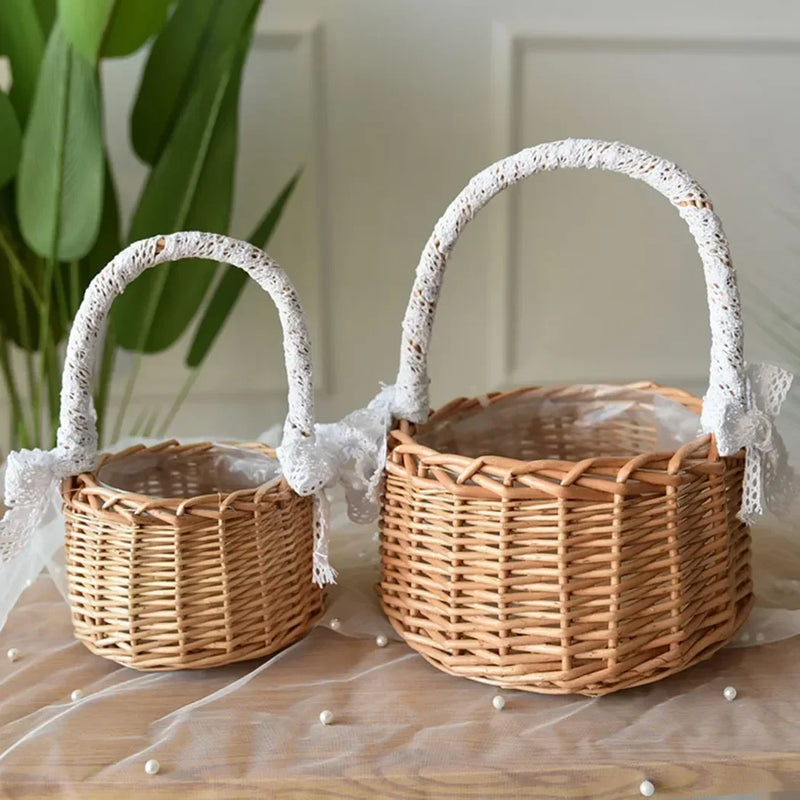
(544, 556)
(170, 572)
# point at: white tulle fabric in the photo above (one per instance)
(256, 724)
(30, 488)
(357, 445)
(32, 476)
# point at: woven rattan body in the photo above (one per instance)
(571, 573)
(187, 583)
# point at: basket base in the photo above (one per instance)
(526, 683)
(173, 578)
(204, 659)
(535, 540)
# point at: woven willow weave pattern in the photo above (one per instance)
(164, 584)
(568, 574)
(169, 571)
(542, 556)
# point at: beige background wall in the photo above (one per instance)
(392, 106)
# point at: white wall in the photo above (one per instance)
(392, 106)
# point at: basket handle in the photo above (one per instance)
(77, 433)
(726, 378)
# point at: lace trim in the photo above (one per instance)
(769, 481)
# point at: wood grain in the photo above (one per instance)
(403, 730)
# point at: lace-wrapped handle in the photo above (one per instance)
(726, 380)
(77, 433)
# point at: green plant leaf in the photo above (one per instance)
(109, 237)
(191, 187)
(46, 11)
(183, 57)
(60, 178)
(233, 282)
(10, 140)
(111, 28)
(21, 38)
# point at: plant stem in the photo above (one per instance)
(19, 277)
(178, 402)
(54, 385)
(126, 396)
(61, 296)
(147, 431)
(138, 422)
(16, 404)
(74, 287)
(35, 399)
(17, 268)
(46, 346)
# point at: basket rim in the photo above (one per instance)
(595, 478)
(143, 503)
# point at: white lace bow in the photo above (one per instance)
(31, 482)
(32, 478)
(769, 481)
(351, 451)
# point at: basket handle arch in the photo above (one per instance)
(726, 374)
(77, 433)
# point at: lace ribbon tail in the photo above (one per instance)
(769, 481)
(17, 528)
(324, 573)
(31, 483)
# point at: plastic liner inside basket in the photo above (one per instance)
(190, 472)
(568, 423)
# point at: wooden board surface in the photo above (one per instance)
(403, 729)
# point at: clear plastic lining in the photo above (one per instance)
(582, 422)
(168, 473)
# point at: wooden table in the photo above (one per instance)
(402, 730)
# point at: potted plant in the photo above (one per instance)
(59, 220)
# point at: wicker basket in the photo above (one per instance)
(170, 572)
(539, 555)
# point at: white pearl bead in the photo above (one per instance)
(336, 624)
(76, 695)
(376, 537)
(499, 702)
(326, 717)
(29, 582)
(647, 789)
(745, 636)
(729, 693)
(760, 637)
(152, 767)
(14, 654)
(381, 640)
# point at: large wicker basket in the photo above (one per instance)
(539, 555)
(168, 572)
